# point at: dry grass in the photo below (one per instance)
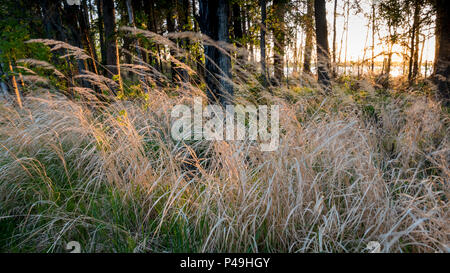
(114, 179)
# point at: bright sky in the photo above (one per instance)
(358, 31)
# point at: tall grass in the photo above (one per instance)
(352, 167)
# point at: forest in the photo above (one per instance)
(88, 92)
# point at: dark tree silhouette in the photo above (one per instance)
(309, 36)
(442, 61)
(109, 23)
(323, 55)
(213, 22)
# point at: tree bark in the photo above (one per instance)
(3, 77)
(323, 56)
(263, 42)
(51, 20)
(3, 84)
(279, 34)
(309, 36)
(133, 25)
(86, 36)
(347, 17)
(414, 30)
(213, 21)
(421, 56)
(184, 25)
(334, 38)
(53, 23)
(170, 21)
(101, 31)
(416, 54)
(112, 50)
(71, 18)
(136, 45)
(442, 63)
(149, 6)
(237, 24)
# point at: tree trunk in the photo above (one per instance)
(309, 36)
(237, 24)
(300, 51)
(341, 44)
(279, 33)
(373, 35)
(170, 21)
(86, 36)
(334, 38)
(3, 85)
(137, 47)
(364, 51)
(263, 42)
(52, 19)
(3, 77)
(415, 71)
(112, 50)
(323, 56)
(347, 17)
(101, 31)
(214, 23)
(442, 63)
(245, 32)
(421, 56)
(71, 16)
(149, 7)
(126, 48)
(184, 25)
(199, 53)
(412, 56)
(133, 25)
(387, 63)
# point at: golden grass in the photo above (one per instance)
(113, 179)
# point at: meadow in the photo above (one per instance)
(364, 163)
